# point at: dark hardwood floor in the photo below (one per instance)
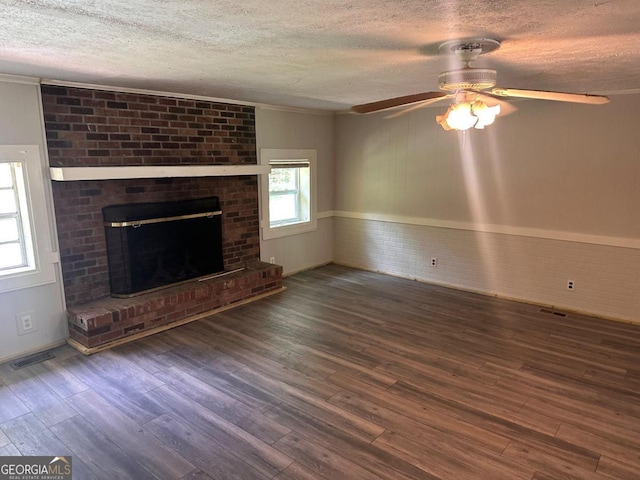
(346, 375)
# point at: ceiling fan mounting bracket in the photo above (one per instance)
(469, 49)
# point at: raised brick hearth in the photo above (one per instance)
(109, 319)
(92, 128)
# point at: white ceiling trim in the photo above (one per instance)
(19, 79)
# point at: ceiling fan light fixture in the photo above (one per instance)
(460, 117)
(486, 114)
(465, 115)
(442, 120)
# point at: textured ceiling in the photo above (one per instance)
(324, 54)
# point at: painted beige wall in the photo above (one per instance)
(548, 194)
(21, 124)
(280, 129)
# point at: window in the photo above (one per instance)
(288, 192)
(16, 245)
(289, 201)
(27, 258)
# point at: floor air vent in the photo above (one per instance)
(553, 312)
(32, 360)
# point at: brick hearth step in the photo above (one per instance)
(102, 323)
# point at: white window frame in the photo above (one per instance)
(21, 218)
(40, 269)
(282, 157)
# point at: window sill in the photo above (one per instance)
(19, 279)
(289, 230)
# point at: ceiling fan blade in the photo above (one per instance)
(395, 102)
(556, 96)
(506, 108)
(419, 105)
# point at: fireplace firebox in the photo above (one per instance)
(154, 245)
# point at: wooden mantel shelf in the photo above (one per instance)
(69, 174)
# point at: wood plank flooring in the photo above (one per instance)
(346, 375)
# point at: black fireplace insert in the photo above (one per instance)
(153, 245)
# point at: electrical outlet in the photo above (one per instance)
(25, 323)
(571, 285)
(272, 259)
(434, 262)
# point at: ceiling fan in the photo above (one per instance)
(473, 90)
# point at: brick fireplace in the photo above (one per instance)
(95, 128)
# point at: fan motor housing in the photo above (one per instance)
(467, 79)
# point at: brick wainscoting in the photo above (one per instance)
(86, 127)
